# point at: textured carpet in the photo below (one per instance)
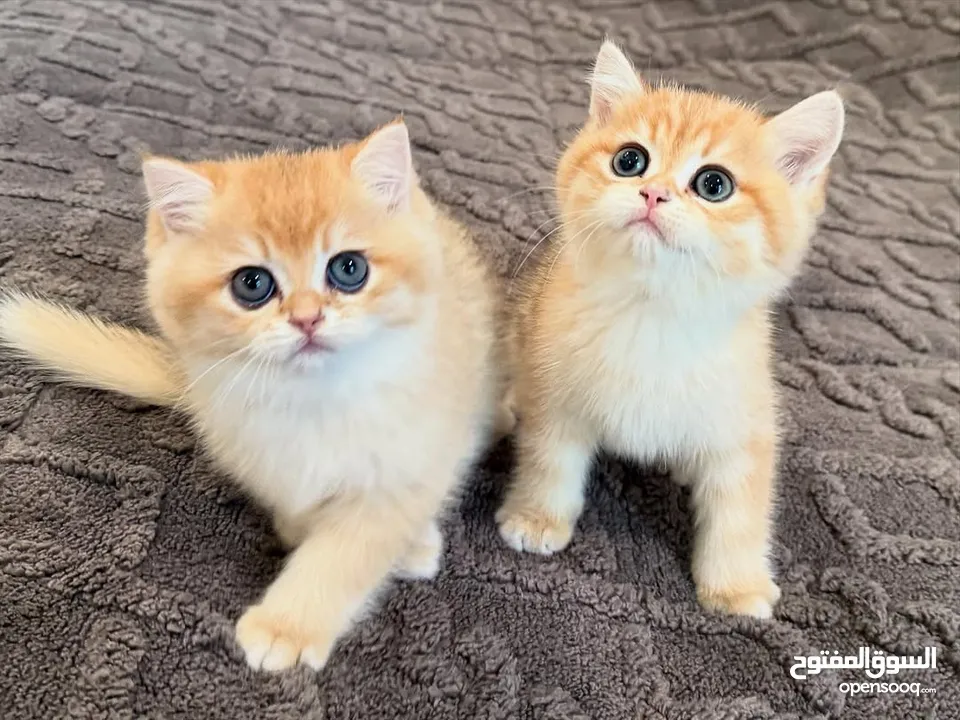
(124, 558)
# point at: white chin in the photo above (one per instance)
(302, 361)
(647, 245)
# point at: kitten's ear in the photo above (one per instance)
(807, 136)
(179, 194)
(385, 166)
(613, 78)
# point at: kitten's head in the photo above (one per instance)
(288, 258)
(691, 191)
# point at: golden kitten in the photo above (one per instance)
(647, 332)
(331, 335)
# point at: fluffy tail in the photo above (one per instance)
(85, 351)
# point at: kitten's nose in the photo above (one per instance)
(307, 323)
(654, 196)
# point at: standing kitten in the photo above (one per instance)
(648, 332)
(331, 335)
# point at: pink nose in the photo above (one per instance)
(306, 324)
(654, 196)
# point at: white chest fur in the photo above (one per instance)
(294, 441)
(656, 385)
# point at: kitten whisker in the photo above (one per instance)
(226, 391)
(257, 376)
(556, 214)
(271, 379)
(542, 188)
(590, 227)
(572, 217)
(583, 243)
(542, 211)
(202, 375)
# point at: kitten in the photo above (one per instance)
(647, 332)
(331, 335)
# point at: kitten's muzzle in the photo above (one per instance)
(654, 196)
(312, 346)
(307, 324)
(646, 215)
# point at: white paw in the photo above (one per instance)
(272, 644)
(754, 602)
(422, 561)
(535, 532)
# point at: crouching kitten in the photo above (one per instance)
(647, 330)
(331, 335)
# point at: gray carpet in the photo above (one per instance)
(124, 558)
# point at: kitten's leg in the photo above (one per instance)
(422, 561)
(544, 502)
(352, 545)
(733, 503)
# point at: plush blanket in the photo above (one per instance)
(125, 557)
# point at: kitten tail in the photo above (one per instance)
(85, 351)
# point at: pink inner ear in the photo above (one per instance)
(613, 78)
(794, 162)
(178, 194)
(385, 166)
(807, 136)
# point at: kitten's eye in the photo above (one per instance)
(348, 271)
(252, 286)
(713, 184)
(630, 161)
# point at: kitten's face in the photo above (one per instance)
(675, 174)
(286, 259)
(691, 189)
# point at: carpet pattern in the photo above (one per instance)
(124, 558)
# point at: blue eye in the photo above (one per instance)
(630, 161)
(348, 271)
(252, 286)
(713, 184)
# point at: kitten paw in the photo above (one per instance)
(422, 561)
(535, 532)
(272, 642)
(758, 603)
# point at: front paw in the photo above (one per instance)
(757, 601)
(535, 531)
(272, 641)
(422, 561)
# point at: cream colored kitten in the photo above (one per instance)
(647, 332)
(331, 335)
